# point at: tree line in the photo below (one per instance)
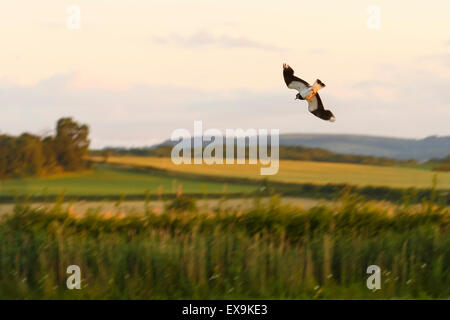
(28, 154)
(285, 153)
(440, 164)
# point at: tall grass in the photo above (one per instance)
(267, 251)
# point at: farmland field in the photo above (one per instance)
(106, 180)
(193, 248)
(306, 172)
(138, 179)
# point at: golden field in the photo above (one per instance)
(303, 172)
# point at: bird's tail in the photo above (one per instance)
(332, 118)
(318, 85)
(328, 115)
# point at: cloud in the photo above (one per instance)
(201, 39)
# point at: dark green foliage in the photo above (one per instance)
(268, 251)
(444, 168)
(28, 155)
(440, 164)
(445, 160)
(160, 151)
(285, 153)
(321, 155)
(71, 144)
(182, 203)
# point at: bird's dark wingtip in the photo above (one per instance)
(321, 83)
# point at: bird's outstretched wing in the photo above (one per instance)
(292, 81)
(315, 106)
(315, 103)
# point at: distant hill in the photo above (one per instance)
(386, 147)
(397, 148)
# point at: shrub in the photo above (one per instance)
(183, 203)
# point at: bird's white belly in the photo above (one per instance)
(312, 105)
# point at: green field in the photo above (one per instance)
(306, 172)
(106, 180)
(140, 178)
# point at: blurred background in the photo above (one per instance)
(90, 92)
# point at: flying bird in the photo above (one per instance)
(308, 93)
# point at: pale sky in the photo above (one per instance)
(137, 70)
